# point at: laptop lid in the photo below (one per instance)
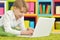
(43, 27)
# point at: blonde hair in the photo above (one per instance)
(20, 3)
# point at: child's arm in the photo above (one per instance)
(21, 24)
(8, 28)
(24, 30)
(7, 25)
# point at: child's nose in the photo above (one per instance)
(21, 15)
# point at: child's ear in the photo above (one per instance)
(14, 7)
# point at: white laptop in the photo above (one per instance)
(42, 28)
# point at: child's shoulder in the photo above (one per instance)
(9, 11)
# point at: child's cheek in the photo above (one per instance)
(21, 15)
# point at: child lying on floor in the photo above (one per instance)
(15, 18)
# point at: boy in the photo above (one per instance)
(15, 18)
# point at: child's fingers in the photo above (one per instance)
(30, 29)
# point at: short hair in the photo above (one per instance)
(20, 3)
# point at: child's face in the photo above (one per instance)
(20, 13)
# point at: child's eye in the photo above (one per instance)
(22, 12)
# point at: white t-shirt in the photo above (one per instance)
(9, 21)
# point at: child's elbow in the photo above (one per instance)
(8, 31)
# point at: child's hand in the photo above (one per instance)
(30, 29)
(27, 32)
